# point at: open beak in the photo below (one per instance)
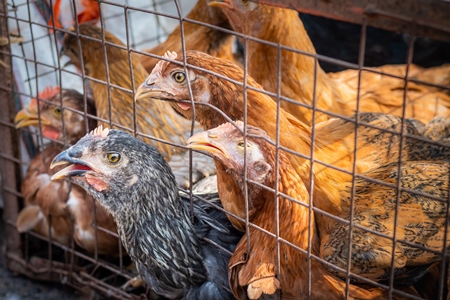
(145, 91)
(221, 4)
(77, 167)
(26, 118)
(204, 141)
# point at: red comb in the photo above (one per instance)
(48, 92)
(91, 12)
(56, 12)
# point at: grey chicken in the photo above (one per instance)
(134, 183)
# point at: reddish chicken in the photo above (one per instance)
(59, 199)
(257, 270)
(335, 93)
(378, 141)
(160, 124)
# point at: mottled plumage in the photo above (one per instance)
(378, 141)
(134, 183)
(336, 93)
(255, 272)
(114, 99)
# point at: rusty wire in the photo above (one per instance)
(82, 276)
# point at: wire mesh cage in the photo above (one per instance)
(337, 179)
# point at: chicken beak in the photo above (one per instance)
(145, 91)
(26, 118)
(77, 167)
(221, 4)
(205, 142)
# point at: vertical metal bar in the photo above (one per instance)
(108, 79)
(191, 97)
(311, 226)
(277, 163)
(409, 58)
(10, 143)
(443, 263)
(361, 55)
(244, 119)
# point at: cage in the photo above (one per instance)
(356, 44)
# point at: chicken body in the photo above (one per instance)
(114, 100)
(196, 37)
(335, 93)
(378, 141)
(257, 271)
(134, 183)
(60, 199)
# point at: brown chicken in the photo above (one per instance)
(156, 122)
(214, 42)
(377, 143)
(60, 199)
(257, 270)
(335, 93)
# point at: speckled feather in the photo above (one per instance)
(421, 221)
(154, 222)
(337, 92)
(254, 273)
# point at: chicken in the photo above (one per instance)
(59, 199)
(197, 37)
(112, 85)
(134, 183)
(257, 270)
(378, 143)
(334, 93)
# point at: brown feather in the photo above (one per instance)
(336, 93)
(156, 119)
(197, 37)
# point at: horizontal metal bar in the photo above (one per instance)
(430, 18)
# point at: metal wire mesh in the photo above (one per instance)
(44, 258)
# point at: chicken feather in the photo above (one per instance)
(378, 141)
(59, 199)
(158, 120)
(335, 93)
(197, 37)
(154, 223)
(256, 270)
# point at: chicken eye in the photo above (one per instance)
(241, 144)
(113, 157)
(179, 77)
(57, 111)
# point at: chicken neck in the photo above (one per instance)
(156, 231)
(297, 70)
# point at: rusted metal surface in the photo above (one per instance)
(430, 18)
(8, 141)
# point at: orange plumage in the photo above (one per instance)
(253, 267)
(377, 142)
(335, 93)
(197, 37)
(155, 122)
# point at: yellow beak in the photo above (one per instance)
(26, 118)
